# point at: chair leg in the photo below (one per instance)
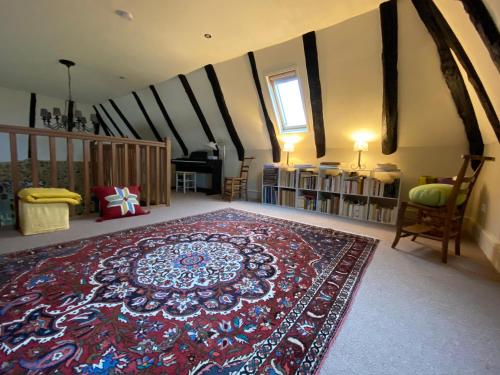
(457, 245)
(414, 237)
(399, 224)
(396, 239)
(458, 239)
(444, 247)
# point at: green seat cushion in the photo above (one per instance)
(434, 195)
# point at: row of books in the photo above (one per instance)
(270, 195)
(270, 175)
(354, 209)
(287, 178)
(329, 205)
(382, 214)
(356, 185)
(382, 189)
(307, 201)
(307, 180)
(288, 198)
(331, 183)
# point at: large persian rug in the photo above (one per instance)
(226, 292)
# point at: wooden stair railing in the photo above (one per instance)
(106, 161)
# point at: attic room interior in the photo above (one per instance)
(250, 187)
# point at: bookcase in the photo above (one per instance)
(369, 195)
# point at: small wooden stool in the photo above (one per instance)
(185, 181)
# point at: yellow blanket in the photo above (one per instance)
(49, 195)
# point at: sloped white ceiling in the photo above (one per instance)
(202, 89)
(351, 82)
(480, 57)
(427, 113)
(242, 100)
(164, 39)
(282, 56)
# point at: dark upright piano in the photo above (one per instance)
(198, 162)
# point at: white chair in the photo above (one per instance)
(185, 181)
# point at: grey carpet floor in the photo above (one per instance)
(412, 314)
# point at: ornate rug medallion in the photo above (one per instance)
(181, 275)
(219, 293)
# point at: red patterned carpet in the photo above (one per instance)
(218, 293)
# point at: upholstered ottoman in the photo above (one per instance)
(37, 218)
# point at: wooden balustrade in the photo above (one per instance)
(106, 161)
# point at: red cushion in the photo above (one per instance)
(116, 202)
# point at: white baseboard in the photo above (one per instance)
(486, 242)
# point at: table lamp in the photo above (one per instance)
(288, 147)
(360, 146)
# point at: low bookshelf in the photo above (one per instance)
(368, 195)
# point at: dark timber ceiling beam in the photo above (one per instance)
(311, 54)
(32, 117)
(169, 120)
(276, 149)
(485, 26)
(219, 98)
(104, 127)
(146, 116)
(111, 120)
(429, 9)
(124, 119)
(197, 109)
(389, 26)
(453, 78)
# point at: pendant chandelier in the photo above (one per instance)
(71, 118)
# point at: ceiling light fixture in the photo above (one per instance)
(124, 14)
(208, 36)
(71, 118)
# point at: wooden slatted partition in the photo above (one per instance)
(114, 165)
(103, 160)
(71, 172)
(168, 173)
(53, 161)
(100, 164)
(148, 176)
(157, 175)
(86, 176)
(13, 157)
(14, 169)
(125, 165)
(34, 160)
(137, 164)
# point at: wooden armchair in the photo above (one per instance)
(441, 223)
(237, 186)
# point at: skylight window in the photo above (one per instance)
(287, 101)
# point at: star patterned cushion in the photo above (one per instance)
(116, 202)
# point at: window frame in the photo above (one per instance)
(291, 73)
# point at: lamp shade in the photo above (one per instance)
(289, 147)
(212, 145)
(360, 146)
